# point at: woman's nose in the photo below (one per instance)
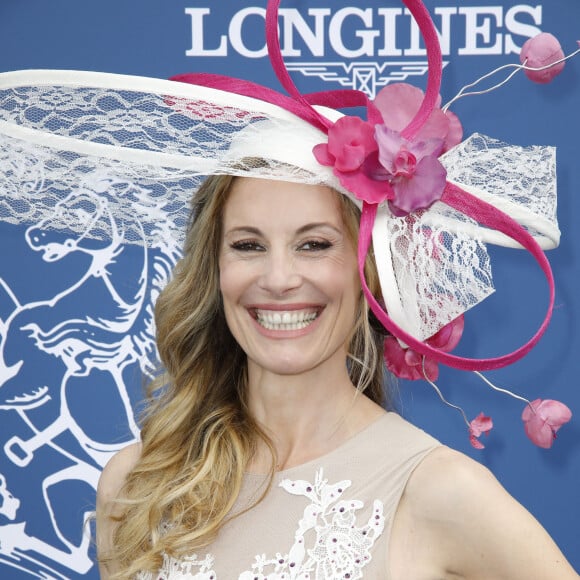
(280, 274)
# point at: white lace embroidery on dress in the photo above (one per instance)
(328, 545)
(340, 549)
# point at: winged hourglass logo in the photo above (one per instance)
(368, 77)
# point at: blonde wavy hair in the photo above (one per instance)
(197, 433)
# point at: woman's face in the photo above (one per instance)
(288, 275)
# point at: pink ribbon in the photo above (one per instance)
(487, 215)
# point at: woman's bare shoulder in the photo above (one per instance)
(443, 492)
(474, 527)
(115, 472)
(453, 492)
(108, 510)
(446, 473)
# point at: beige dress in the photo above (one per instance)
(329, 518)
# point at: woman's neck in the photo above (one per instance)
(306, 415)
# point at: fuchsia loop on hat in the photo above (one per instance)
(435, 63)
(488, 216)
(275, 54)
(342, 99)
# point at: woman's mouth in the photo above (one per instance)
(285, 319)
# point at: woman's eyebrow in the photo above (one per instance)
(315, 225)
(301, 230)
(244, 230)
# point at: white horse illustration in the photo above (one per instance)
(85, 343)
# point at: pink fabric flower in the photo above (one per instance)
(376, 164)
(481, 425)
(398, 104)
(539, 51)
(351, 142)
(542, 419)
(418, 178)
(406, 363)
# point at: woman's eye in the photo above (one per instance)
(247, 246)
(315, 245)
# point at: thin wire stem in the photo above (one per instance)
(462, 92)
(517, 68)
(505, 391)
(445, 401)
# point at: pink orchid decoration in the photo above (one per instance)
(540, 51)
(413, 168)
(398, 103)
(479, 426)
(377, 164)
(405, 363)
(350, 143)
(542, 419)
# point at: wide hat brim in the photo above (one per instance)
(82, 151)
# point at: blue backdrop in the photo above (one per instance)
(67, 398)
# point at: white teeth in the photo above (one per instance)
(287, 320)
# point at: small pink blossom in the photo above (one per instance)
(542, 419)
(479, 426)
(540, 51)
(398, 104)
(418, 178)
(406, 363)
(350, 141)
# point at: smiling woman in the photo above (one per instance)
(286, 254)
(267, 450)
(320, 249)
(262, 428)
(270, 249)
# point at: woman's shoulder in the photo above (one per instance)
(444, 470)
(115, 472)
(460, 518)
(405, 438)
(450, 487)
(431, 514)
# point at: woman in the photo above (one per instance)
(266, 451)
(268, 454)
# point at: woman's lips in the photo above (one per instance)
(285, 318)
